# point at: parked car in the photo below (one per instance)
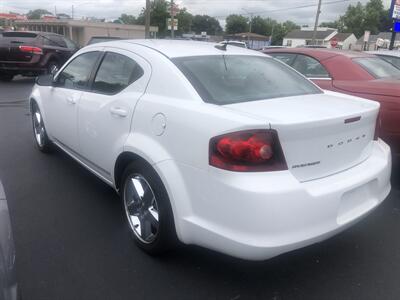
(100, 39)
(32, 53)
(392, 56)
(354, 73)
(8, 278)
(224, 148)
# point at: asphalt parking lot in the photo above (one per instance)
(72, 241)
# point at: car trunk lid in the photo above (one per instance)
(386, 87)
(10, 43)
(320, 134)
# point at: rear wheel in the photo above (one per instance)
(39, 130)
(6, 77)
(147, 209)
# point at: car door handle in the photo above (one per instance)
(118, 111)
(71, 100)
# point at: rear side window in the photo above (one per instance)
(226, 79)
(77, 74)
(115, 73)
(378, 67)
(309, 67)
(395, 61)
(287, 58)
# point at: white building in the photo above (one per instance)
(324, 37)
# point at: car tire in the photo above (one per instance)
(147, 209)
(6, 77)
(51, 65)
(42, 140)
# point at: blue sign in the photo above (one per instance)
(396, 27)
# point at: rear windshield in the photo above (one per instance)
(227, 79)
(17, 38)
(378, 67)
(20, 34)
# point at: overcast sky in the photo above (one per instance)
(112, 9)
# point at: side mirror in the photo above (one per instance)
(45, 80)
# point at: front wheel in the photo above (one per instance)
(39, 130)
(148, 209)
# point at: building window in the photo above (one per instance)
(289, 43)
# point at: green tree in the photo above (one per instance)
(259, 25)
(374, 11)
(207, 24)
(159, 13)
(185, 21)
(37, 13)
(236, 24)
(127, 19)
(353, 19)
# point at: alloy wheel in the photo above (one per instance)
(38, 127)
(141, 208)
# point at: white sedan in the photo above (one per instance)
(214, 145)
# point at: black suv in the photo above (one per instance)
(31, 53)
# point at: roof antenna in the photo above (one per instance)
(221, 46)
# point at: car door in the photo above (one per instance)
(63, 99)
(105, 112)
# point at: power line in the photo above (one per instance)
(290, 8)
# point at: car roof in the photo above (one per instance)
(320, 53)
(182, 48)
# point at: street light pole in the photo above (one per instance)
(147, 20)
(316, 22)
(172, 20)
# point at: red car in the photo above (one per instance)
(354, 73)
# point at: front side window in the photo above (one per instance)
(77, 74)
(227, 79)
(287, 58)
(309, 67)
(378, 67)
(115, 73)
(70, 44)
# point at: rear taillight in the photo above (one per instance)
(247, 151)
(31, 49)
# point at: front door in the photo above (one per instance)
(64, 97)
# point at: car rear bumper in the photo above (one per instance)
(21, 68)
(257, 216)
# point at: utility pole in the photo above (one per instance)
(147, 20)
(72, 12)
(55, 11)
(316, 22)
(172, 20)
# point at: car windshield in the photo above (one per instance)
(378, 67)
(227, 79)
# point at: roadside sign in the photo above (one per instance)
(366, 36)
(395, 11)
(334, 43)
(169, 24)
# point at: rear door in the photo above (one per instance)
(105, 112)
(63, 99)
